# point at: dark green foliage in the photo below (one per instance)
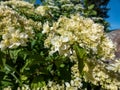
(100, 6)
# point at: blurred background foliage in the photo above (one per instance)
(89, 8)
(92, 8)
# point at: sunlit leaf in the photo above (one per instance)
(81, 55)
(91, 7)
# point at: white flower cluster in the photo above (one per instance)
(89, 35)
(98, 74)
(72, 85)
(77, 29)
(19, 4)
(115, 66)
(15, 30)
(52, 10)
(50, 86)
(108, 81)
(42, 10)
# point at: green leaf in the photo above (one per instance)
(24, 54)
(81, 55)
(33, 43)
(79, 51)
(25, 66)
(12, 71)
(23, 77)
(62, 65)
(94, 13)
(14, 54)
(49, 67)
(91, 7)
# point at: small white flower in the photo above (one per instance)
(6, 36)
(11, 30)
(46, 28)
(2, 46)
(72, 83)
(50, 83)
(41, 10)
(23, 35)
(15, 45)
(65, 39)
(67, 84)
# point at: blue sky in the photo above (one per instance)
(38, 1)
(114, 14)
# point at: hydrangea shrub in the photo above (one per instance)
(41, 48)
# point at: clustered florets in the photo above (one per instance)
(80, 30)
(16, 30)
(89, 35)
